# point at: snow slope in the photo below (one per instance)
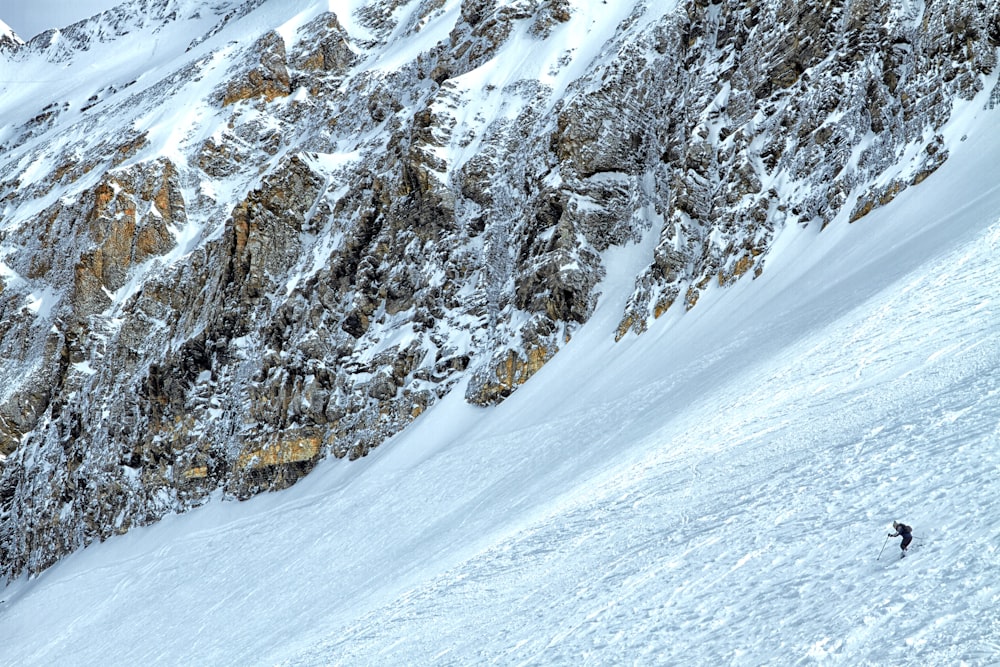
(716, 491)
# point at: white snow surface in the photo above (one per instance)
(717, 491)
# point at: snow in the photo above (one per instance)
(399, 51)
(7, 275)
(84, 368)
(345, 11)
(42, 301)
(715, 491)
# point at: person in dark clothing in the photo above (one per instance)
(904, 531)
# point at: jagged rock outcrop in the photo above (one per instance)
(291, 245)
(821, 98)
(9, 40)
(263, 72)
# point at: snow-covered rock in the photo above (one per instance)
(9, 40)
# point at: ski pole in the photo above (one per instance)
(883, 547)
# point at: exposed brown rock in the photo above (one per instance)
(267, 78)
(511, 370)
(327, 48)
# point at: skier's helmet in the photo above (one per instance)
(895, 524)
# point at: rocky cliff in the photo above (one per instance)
(241, 238)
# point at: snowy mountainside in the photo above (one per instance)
(716, 491)
(240, 237)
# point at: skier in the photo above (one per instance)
(905, 531)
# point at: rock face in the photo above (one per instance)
(282, 238)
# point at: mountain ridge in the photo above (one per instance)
(9, 39)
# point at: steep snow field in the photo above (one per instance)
(716, 491)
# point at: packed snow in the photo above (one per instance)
(716, 491)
